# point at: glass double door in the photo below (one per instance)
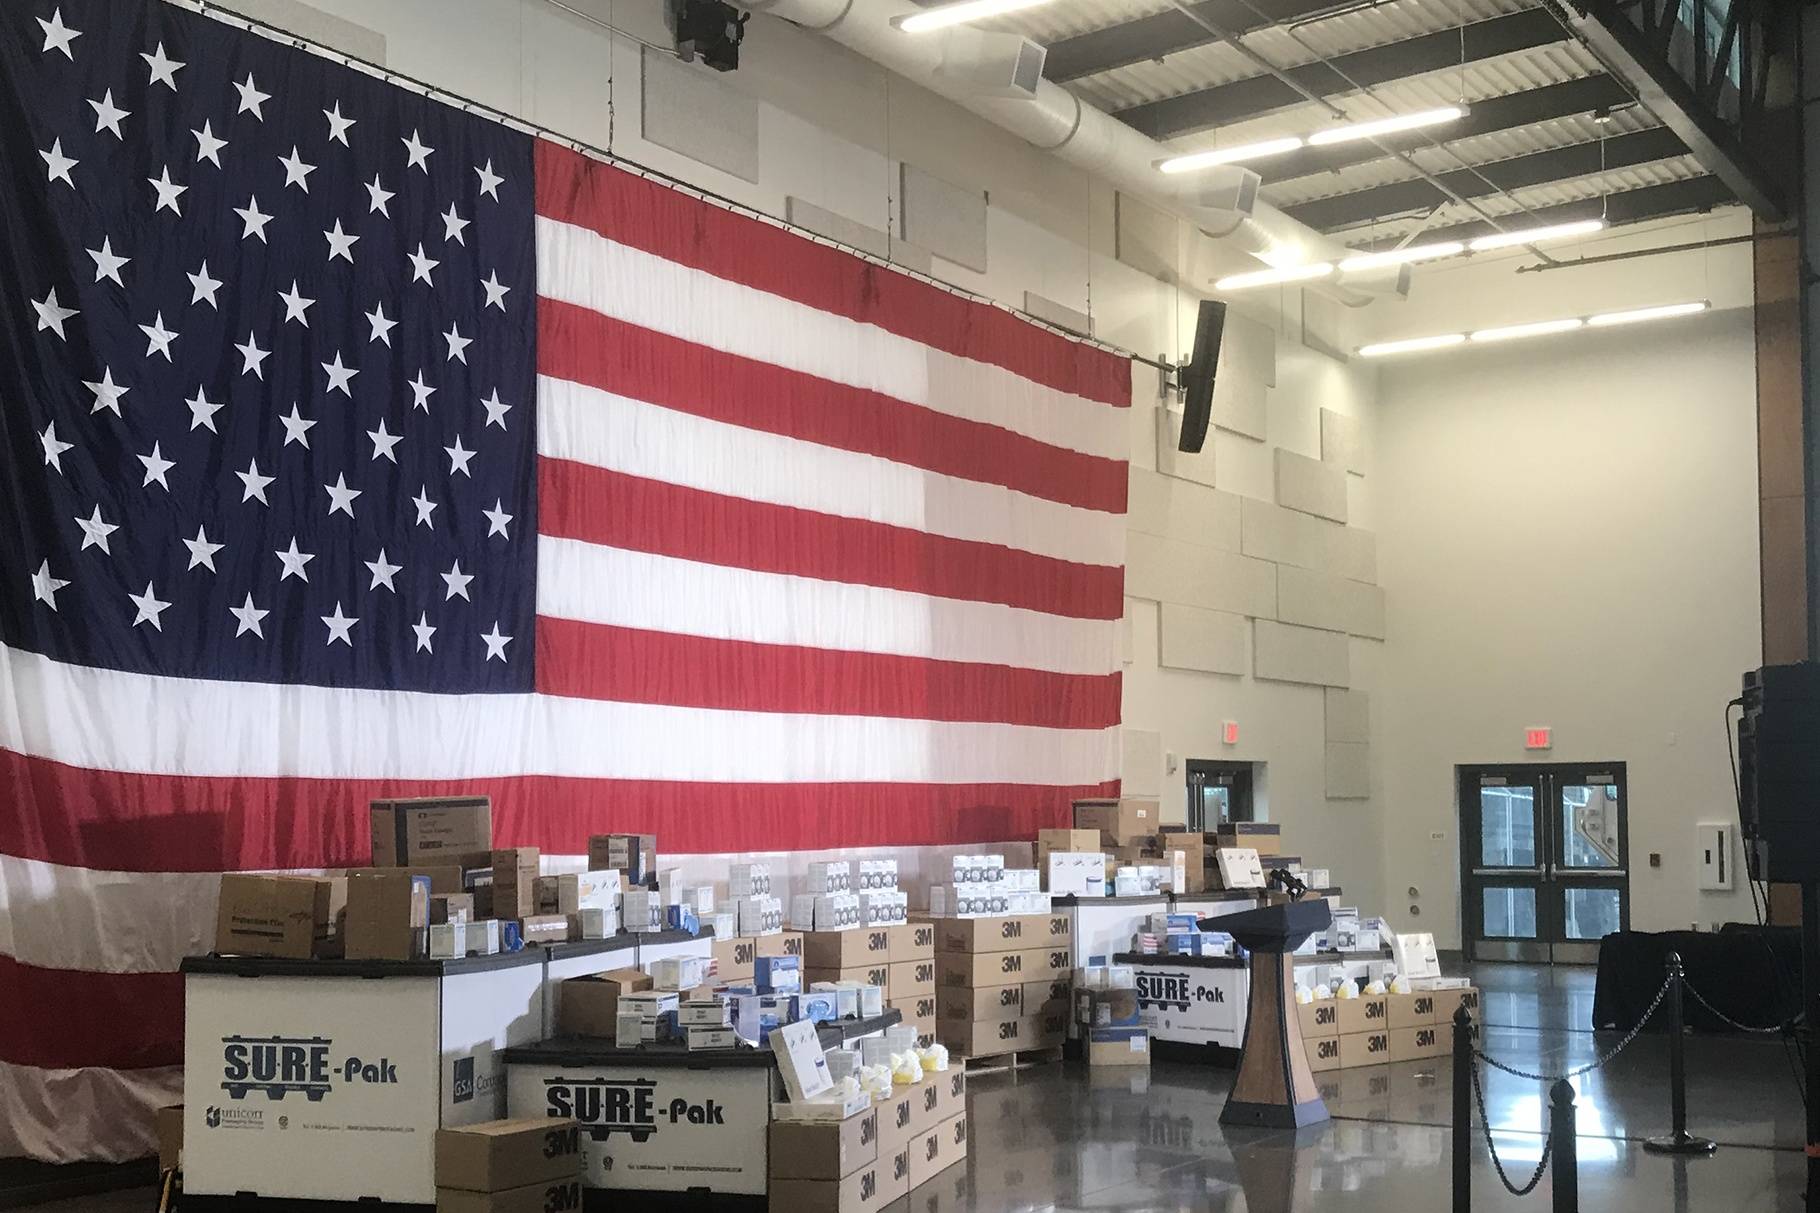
(1545, 857)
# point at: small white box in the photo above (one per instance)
(749, 880)
(1080, 873)
(712, 1038)
(829, 876)
(1239, 868)
(574, 892)
(877, 874)
(871, 1001)
(884, 907)
(1126, 882)
(594, 923)
(632, 1029)
(725, 925)
(641, 910)
(678, 972)
(483, 936)
(670, 886)
(448, 940)
(704, 1013)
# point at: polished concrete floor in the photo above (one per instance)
(1064, 1138)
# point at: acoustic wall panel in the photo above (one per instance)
(853, 234)
(1171, 461)
(1181, 510)
(1321, 600)
(1058, 314)
(1348, 715)
(1213, 642)
(1270, 532)
(1246, 370)
(1310, 486)
(1142, 772)
(1147, 239)
(1283, 652)
(1340, 441)
(947, 219)
(309, 22)
(1348, 770)
(1167, 570)
(686, 109)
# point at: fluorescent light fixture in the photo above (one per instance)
(941, 16)
(1228, 155)
(1386, 126)
(1411, 345)
(1287, 273)
(1511, 331)
(1400, 256)
(1537, 235)
(1606, 319)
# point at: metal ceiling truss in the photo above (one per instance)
(1165, 33)
(1695, 195)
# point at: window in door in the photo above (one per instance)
(1219, 793)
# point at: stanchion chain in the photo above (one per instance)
(1497, 1164)
(1772, 1030)
(1590, 1066)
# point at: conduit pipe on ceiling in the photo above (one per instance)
(1223, 201)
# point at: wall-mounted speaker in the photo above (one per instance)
(1197, 375)
(992, 64)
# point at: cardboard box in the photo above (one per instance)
(846, 949)
(897, 1119)
(938, 1149)
(1262, 837)
(916, 1007)
(1410, 1010)
(289, 916)
(501, 1154)
(912, 941)
(388, 916)
(1118, 1047)
(1415, 1043)
(532, 1198)
(1066, 840)
(911, 978)
(1364, 1049)
(1188, 868)
(633, 854)
(734, 958)
(544, 928)
(983, 1004)
(1446, 1002)
(451, 907)
(1043, 995)
(870, 1187)
(1323, 1052)
(430, 828)
(589, 1006)
(169, 1126)
(975, 1039)
(1356, 1015)
(1319, 1018)
(443, 877)
(823, 1149)
(780, 943)
(1000, 968)
(515, 881)
(1123, 822)
(870, 975)
(1000, 934)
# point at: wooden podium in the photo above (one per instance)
(1274, 1087)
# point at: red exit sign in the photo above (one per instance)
(1541, 738)
(1229, 732)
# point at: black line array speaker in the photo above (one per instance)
(1779, 771)
(1197, 376)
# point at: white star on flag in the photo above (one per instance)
(338, 125)
(202, 552)
(339, 625)
(149, 607)
(251, 99)
(58, 36)
(293, 562)
(57, 164)
(45, 587)
(254, 484)
(248, 617)
(156, 465)
(95, 532)
(164, 69)
(496, 644)
(383, 572)
(107, 393)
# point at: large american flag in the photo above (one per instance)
(355, 444)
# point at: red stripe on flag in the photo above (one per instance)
(65, 1018)
(595, 661)
(594, 505)
(599, 351)
(173, 823)
(573, 188)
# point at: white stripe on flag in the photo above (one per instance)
(57, 917)
(118, 721)
(88, 1115)
(581, 267)
(593, 583)
(587, 425)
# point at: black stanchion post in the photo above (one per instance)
(1462, 1110)
(1680, 1141)
(1564, 1146)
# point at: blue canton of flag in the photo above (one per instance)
(266, 396)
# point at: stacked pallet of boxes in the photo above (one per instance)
(856, 932)
(509, 1166)
(1346, 1033)
(871, 1158)
(1002, 983)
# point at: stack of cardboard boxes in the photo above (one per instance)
(872, 1158)
(1002, 984)
(509, 1166)
(1344, 1033)
(899, 960)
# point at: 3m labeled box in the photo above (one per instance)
(1415, 1043)
(983, 1039)
(867, 975)
(1362, 1014)
(1409, 1010)
(734, 959)
(532, 1198)
(500, 1154)
(1321, 1018)
(999, 968)
(1364, 1049)
(982, 1003)
(823, 1149)
(430, 828)
(1046, 993)
(1323, 1052)
(780, 943)
(911, 978)
(912, 941)
(897, 1119)
(999, 934)
(871, 1187)
(589, 1006)
(1446, 1002)
(938, 1149)
(918, 1013)
(846, 949)
(290, 916)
